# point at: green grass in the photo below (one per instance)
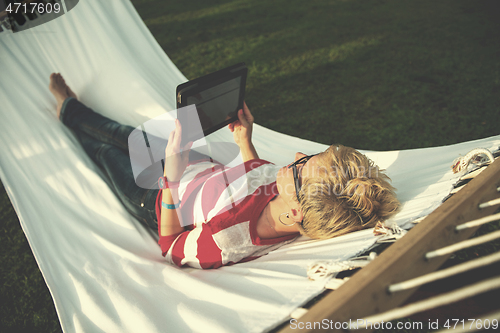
(26, 304)
(376, 75)
(372, 74)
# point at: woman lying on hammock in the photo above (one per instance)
(208, 215)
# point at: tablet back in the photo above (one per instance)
(217, 96)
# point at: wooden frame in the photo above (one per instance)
(366, 293)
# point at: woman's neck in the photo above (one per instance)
(269, 225)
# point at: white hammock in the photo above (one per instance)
(103, 268)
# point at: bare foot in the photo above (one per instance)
(60, 90)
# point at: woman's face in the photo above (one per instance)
(285, 181)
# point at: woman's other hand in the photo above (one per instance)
(176, 160)
(242, 133)
(242, 128)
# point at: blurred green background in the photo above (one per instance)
(372, 74)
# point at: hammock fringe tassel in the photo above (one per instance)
(477, 156)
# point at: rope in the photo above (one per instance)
(389, 234)
(478, 222)
(462, 245)
(434, 302)
(478, 155)
(473, 264)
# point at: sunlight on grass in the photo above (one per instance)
(310, 59)
(199, 14)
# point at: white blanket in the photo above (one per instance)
(103, 268)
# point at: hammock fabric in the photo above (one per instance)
(104, 269)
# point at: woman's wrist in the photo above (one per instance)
(170, 200)
(245, 143)
(170, 196)
(248, 152)
(172, 179)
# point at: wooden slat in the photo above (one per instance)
(366, 292)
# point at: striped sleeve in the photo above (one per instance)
(183, 249)
(219, 203)
(195, 248)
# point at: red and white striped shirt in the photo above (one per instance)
(220, 208)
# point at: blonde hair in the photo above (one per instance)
(347, 193)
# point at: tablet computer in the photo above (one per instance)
(217, 97)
